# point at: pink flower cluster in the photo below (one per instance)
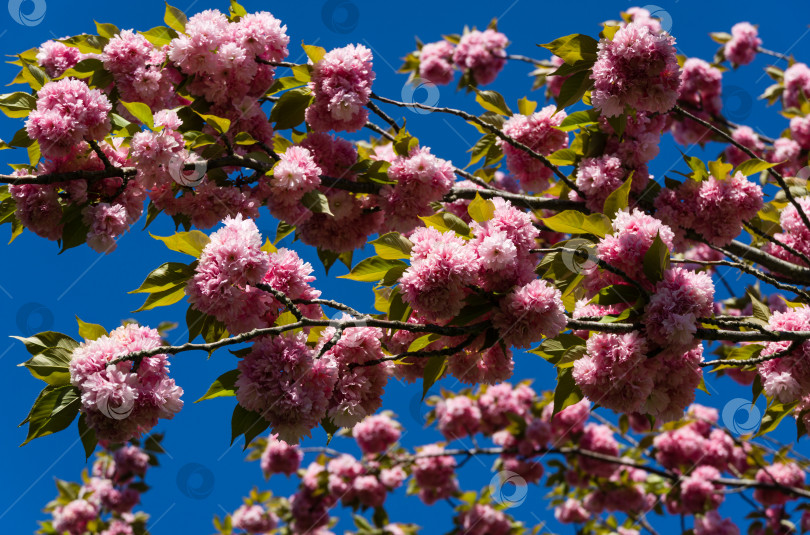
(140, 73)
(436, 62)
(638, 68)
(529, 313)
(700, 90)
(800, 131)
(787, 153)
(159, 156)
(222, 56)
(503, 245)
(231, 263)
(358, 391)
(483, 520)
(699, 493)
(787, 379)
(794, 232)
(797, 82)
(679, 300)
(780, 474)
(599, 177)
(458, 417)
(745, 136)
(442, 266)
(353, 219)
(715, 209)
(254, 519)
(68, 112)
(435, 474)
(341, 83)
(699, 444)
(741, 49)
(482, 53)
(122, 402)
(293, 176)
(713, 524)
(537, 131)
(633, 234)
(283, 381)
(375, 434)
(421, 178)
(56, 58)
(279, 457)
(74, 517)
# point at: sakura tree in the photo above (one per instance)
(555, 240)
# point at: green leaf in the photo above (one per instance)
(330, 428)
(656, 260)
(51, 366)
(573, 89)
(315, 53)
(481, 209)
(447, 222)
(166, 276)
(17, 105)
(53, 411)
(159, 35)
(754, 166)
(720, 170)
(699, 171)
(392, 246)
(282, 231)
(616, 294)
(166, 285)
(492, 101)
(373, 269)
(563, 157)
(574, 48)
(107, 30)
(773, 416)
(619, 199)
(237, 10)
(579, 119)
(140, 111)
(316, 202)
(199, 324)
(289, 111)
(44, 341)
(434, 369)
(760, 310)
(175, 19)
(573, 222)
(191, 243)
(90, 331)
(526, 106)
(225, 385)
(567, 392)
(423, 341)
(220, 124)
(248, 423)
(88, 436)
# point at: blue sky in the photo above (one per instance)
(201, 475)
